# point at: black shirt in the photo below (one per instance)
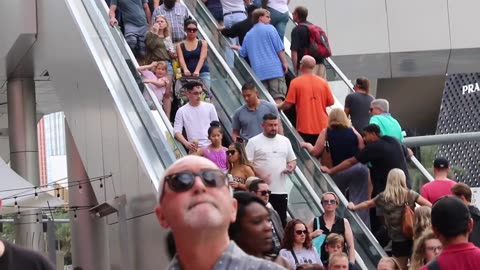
(385, 154)
(300, 41)
(338, 227)
(239, 29)
(18, 258)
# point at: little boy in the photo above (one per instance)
(334, 244)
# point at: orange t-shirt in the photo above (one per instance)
(311, 96)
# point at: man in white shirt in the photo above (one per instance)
(195, 117)
(272, 158)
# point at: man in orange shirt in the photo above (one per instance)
(311, 96)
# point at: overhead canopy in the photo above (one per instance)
(12, 185)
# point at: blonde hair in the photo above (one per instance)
(418, 254)
(257, 13)
(395, 264)
(160, 64)
(338, 119)
(166, 31)
(334, 238)
(331, 193)
(396, 188)
(422, 220)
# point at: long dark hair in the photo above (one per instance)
(243, 155)
(289, 235)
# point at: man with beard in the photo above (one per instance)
(195, 202)
(272, 158)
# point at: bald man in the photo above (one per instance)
(196, 203)
(311, 96)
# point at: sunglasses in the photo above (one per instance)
(192, 30)
(230, 152)
(329, 202)
(300, 232)
(183, 181)
(265, 192)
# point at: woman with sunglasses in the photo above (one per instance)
(426, 247)
(391, 204)
(215, 151)
(252, 229)
(297, 246)
(238, 166)
(329, 223)
(192, 53)
(343, 143)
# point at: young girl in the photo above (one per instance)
(215, 151)
(156, 75)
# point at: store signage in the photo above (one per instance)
(470, 88)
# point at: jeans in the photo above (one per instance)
(205, 76)
(228, 21)
(279, 21)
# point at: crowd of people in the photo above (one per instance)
(251, 229)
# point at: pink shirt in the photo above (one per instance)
(436, 189)
(158, 91)
(465, 256)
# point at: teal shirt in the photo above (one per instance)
(388, 125)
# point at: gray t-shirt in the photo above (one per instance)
(304, 256)
(250, 122)
(359, 105)
(132, 11)
(234, 258)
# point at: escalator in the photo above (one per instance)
(304, 184)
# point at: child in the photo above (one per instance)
(334, 244)
(215, 151)
(156, 75)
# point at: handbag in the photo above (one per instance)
(408, 219)
(318, 241)
(326, 155)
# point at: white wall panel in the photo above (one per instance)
(464, 23)
(317, 13)
(418, 25)
(357, 27)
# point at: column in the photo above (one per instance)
(88, 232)
(22, 124)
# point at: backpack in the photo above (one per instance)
(318, 42)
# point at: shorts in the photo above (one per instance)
(402, 249)
(277, 87)
(135, 37)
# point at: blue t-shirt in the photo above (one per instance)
(261, 45)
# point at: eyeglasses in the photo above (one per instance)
(192, 30)
(300, 232)
(230, 152)
(434, 249)
(183, 181)
(329, 202)
(265, 192)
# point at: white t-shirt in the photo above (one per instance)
(232, 5)
(270, 156)
(196, 121)
(279, 5)
(303, 256)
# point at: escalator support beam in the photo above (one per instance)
(442, 139)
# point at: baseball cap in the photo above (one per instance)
(450, 216)
(440, 163)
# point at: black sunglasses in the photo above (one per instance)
(231, 152)
(183, 181)
(265, 192)
(329, 202)
(192, 30)
(300, 232)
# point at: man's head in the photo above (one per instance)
(307, 64)
(463, 192)
(379, 106)
(250, 94)
(371, 133)
(261, 15)
(194, 92)
(450, 219)
(270, 125)
(338, 261)
(334, 243)
(169, 4)
(300, 14)
(260, 188)
(194, 196)
(362, 83)
(440, 166)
